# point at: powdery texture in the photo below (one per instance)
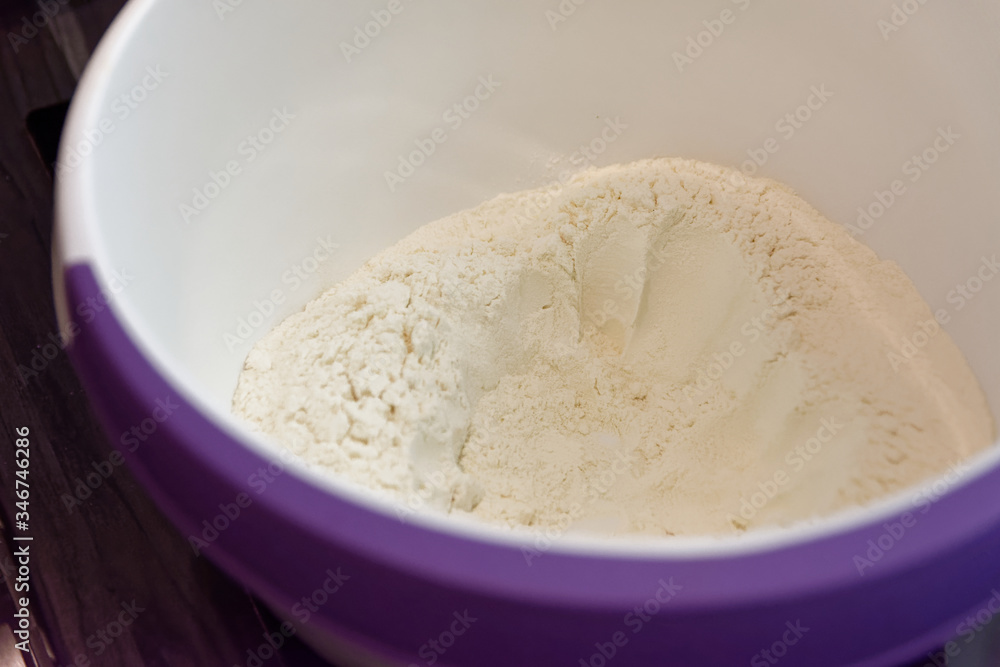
(663, 347)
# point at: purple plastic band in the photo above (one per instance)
(407, 582)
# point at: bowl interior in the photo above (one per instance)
(232, 164)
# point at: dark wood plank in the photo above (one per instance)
(115, 552)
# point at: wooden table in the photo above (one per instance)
(112, 565)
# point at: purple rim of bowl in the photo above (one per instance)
(406, 582)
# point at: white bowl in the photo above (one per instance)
(223, 162)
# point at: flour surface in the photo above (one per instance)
(663, 347)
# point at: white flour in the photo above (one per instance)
(662, 347)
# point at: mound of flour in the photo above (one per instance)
(662, 347)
